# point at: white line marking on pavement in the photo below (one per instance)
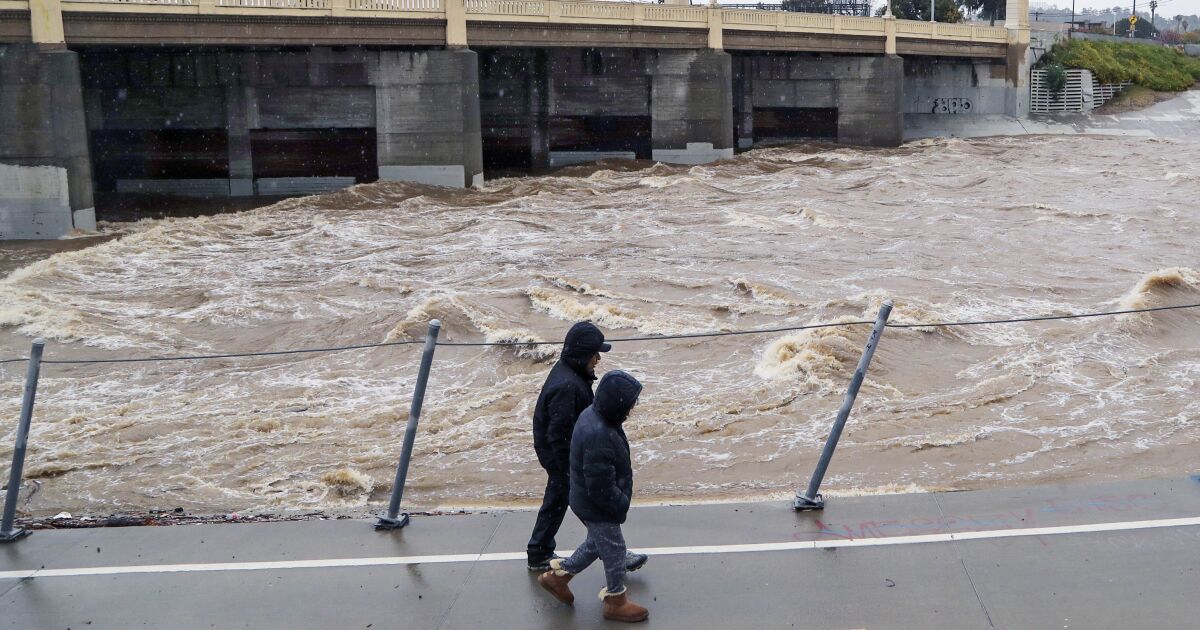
(656, 551)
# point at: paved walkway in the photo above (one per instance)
(1121, 555)
(1176, 118)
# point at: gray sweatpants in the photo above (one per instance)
(606, 542)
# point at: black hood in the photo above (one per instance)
(616, 395)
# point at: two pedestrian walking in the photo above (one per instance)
(601, 490)
(581, 445)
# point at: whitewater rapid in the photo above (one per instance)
(947, 229)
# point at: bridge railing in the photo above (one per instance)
(275, 4)
(561, 11)
(173, 3)
(600, 10)
(505, 8)
(676, 14)
(954, 32)
(433, 6)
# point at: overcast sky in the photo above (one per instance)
(1165, 7)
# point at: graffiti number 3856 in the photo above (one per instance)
(951, 105)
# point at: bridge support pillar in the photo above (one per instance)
(743, 95)
(45, 173)
(1019, 57)
(871, 103)
(539, 111)
(238, 101)
(427, 116)
(691, 106)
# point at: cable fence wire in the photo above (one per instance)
(725, 333)
(198, 357)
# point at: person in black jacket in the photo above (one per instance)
(566, 392)
(601, 489)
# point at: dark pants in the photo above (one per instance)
(550, 517)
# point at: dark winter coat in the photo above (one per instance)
(601, 470)
(566, 392)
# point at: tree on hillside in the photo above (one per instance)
(986, 9)
(1143, 29)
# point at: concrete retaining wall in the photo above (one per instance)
(953, 87)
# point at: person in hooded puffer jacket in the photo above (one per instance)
(601, 489)
(565, 394)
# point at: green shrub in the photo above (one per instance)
(1155, 67)
(1056, 78)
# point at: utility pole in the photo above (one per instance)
(1153, 7)
(1071, 26)
(932, 11)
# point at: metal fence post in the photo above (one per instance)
(33, 367)
(810, 500)
(393, 519)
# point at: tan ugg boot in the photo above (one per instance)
(556, 581)
(617, 607)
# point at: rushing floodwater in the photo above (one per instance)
(948, 229)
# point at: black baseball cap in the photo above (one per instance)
(586, 339)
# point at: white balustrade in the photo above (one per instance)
(751, 18)
(275, 4)
(425, 6)
(953, 31)
(676, 14)
(808, 21)
(911, 28)
(862, 24)
(598, 10)
(507, 7)
(172, 3)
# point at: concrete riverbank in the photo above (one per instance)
(1103, 556)
(1176, 118)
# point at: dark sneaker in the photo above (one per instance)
(542, 564)
(635, 561)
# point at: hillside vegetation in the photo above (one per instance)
(1155, 67)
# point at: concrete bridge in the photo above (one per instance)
(276, 97)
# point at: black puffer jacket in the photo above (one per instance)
(601, 471)
(566, 393)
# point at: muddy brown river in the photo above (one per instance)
(948, 229)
